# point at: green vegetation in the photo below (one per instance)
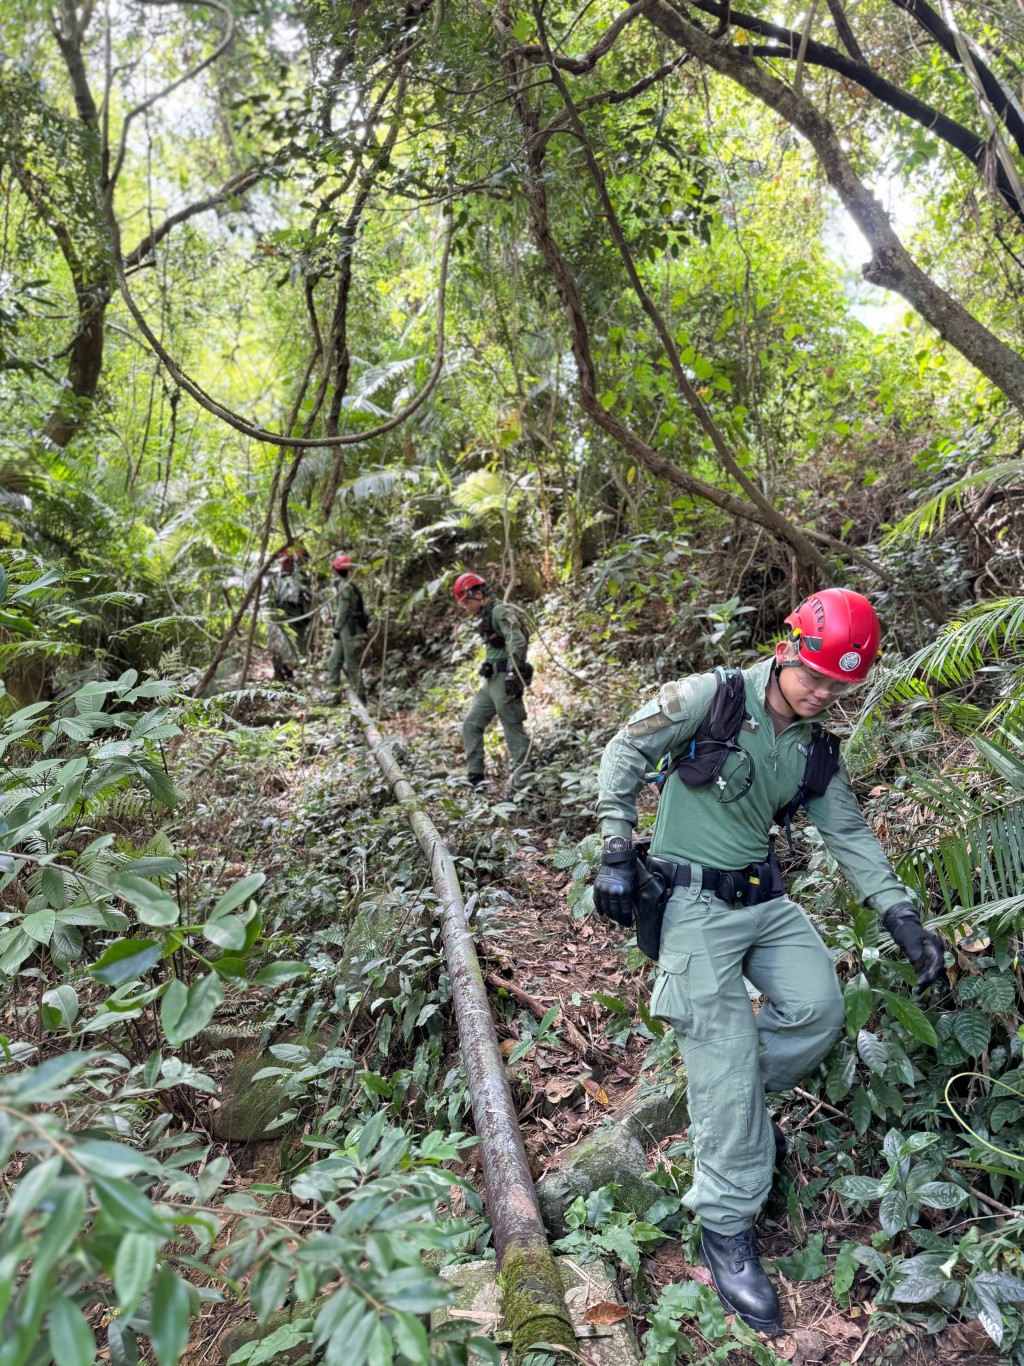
(568, 295)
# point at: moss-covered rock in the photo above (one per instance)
(616, 1155)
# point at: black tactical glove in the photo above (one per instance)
(337, 635)
(922, 947)
(513, 684)
(486, 669)
(613, 886)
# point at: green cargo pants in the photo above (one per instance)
(491, 700)
(733, 1056)
(348, 649)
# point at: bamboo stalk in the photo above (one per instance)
(533, 1298)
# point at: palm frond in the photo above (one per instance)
(931, 514)
(992, 630)
(981, 860)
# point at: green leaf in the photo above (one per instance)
(59, 1007)
(411, 1337)
(169, 1317)
(844, 1272)
(1000, 1286)
(123, 1344)
(806, 1263)
(415, 1290)
(894, 1212)
(125, 960)
(997, 993)
(71, 1339)
(860, 1188)
(106, 1158)
(872, 1050)
(133, 1269)
(372, 1130)
(919, 1287)
(39, 925)
(235, 895)
(153, 905)
(127, 1208)
(42, 1083)
(939, 1195)
(860, 1109)
(973, 1031)
(911, 1017)
(268, 1288)
(183, 1013)
(857, 1001)
(276, 974)
(227, 933)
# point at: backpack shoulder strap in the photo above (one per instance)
(820, 768)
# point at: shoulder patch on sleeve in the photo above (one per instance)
(672, 700)
(648, 719)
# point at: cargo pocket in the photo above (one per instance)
(670, 999)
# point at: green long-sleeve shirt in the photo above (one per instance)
(345, 602)
(693, 826)
(506, 624)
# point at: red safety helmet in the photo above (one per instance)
(341, 562)
(465, 583)
(836, 633)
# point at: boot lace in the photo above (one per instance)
(743, 1248)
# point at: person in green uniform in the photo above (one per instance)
(505, 673)
(728, 917)
(290, 596)
(350, 626)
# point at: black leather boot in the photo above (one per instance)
(780, 1145)
(740, 1279)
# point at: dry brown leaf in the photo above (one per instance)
(605, 1313)
(506, 1046)
(700, 1274)
(785, 1348)
(557, 1091)
(967, 1337)
(592, 1089)
(838, 1326)
(965, 938)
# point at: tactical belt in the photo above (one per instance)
(748, 887)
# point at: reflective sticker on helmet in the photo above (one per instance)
(850, 661)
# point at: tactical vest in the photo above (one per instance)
(718, 735)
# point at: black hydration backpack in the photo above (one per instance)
(358, 621)
(717, 736)
(490, 634)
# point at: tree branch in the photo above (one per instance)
(237, 185)
(769, 514)
(955, 134)
(891, 264)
